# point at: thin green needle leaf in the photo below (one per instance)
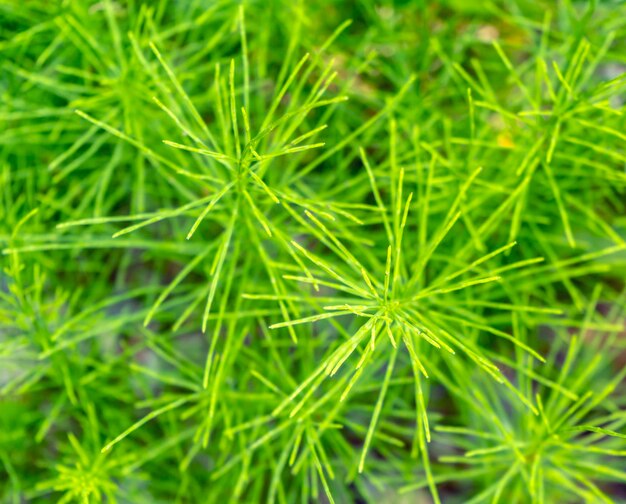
(185, 97)
(207, 209)
(150, 416)
(179, 278)
(378, 408)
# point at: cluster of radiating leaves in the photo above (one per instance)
(261, 253)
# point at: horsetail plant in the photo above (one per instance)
(312, 251)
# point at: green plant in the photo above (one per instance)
(312, 251)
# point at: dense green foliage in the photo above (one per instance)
(312, 251)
